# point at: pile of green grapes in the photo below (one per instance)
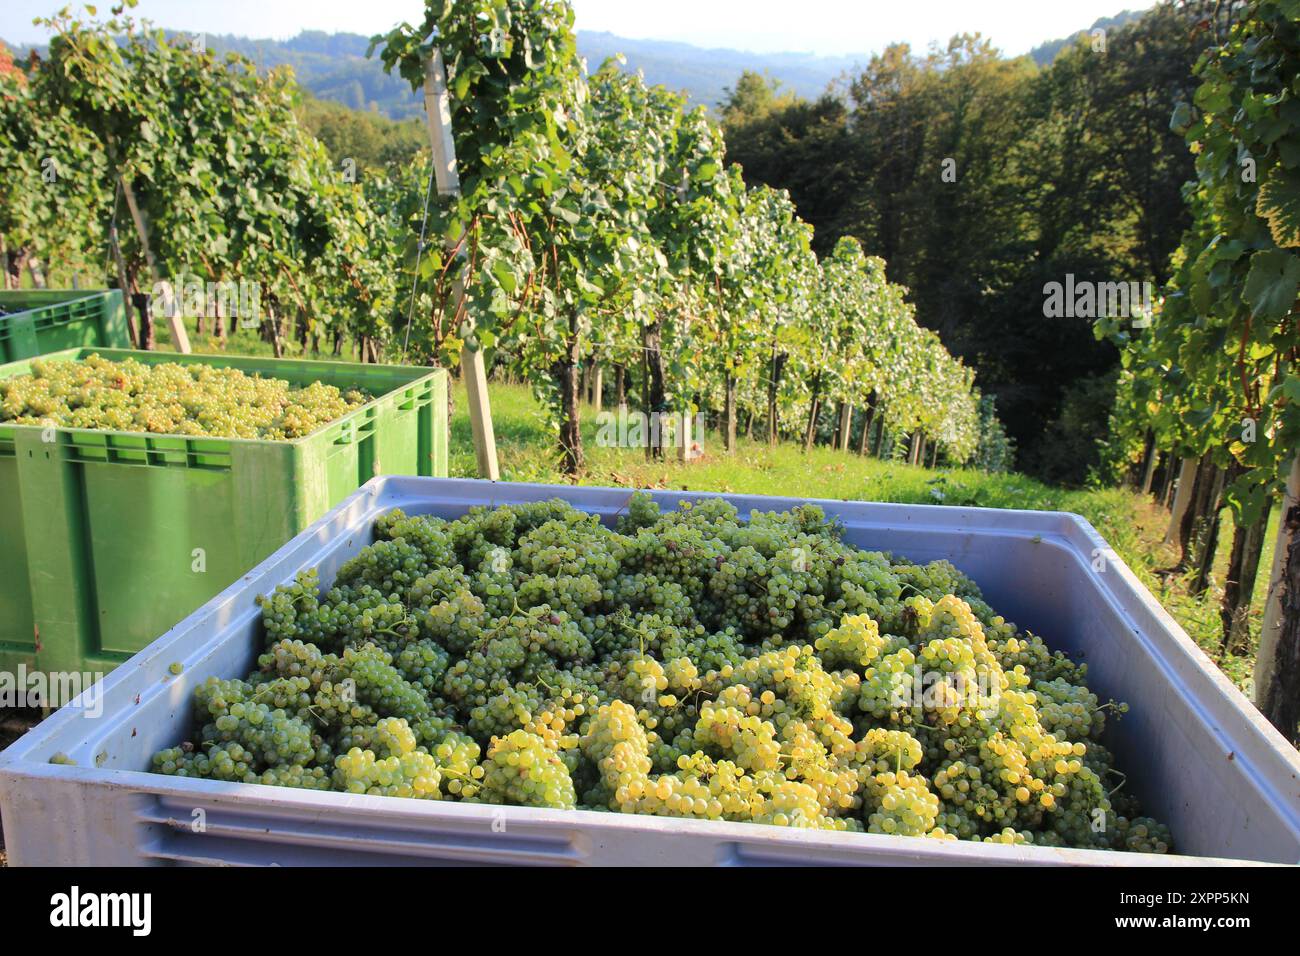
(169, 398)
(688, 664)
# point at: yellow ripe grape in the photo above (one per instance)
(170, 397)
(521, 769)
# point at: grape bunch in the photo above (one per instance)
(694, 664)
(169, 398)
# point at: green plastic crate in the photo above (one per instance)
(107, 539)
(37, 321)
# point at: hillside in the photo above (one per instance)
(334, 67)
(1131, 523)
(1045, 53)
(706, 74)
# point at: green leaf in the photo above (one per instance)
(1272, 284)
(505, 276)
(1182, 118)
(568, 215)
(1214, 96)
(1291, 388)
(1279, 204)
(1248, 497)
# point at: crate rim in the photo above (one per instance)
(81, 352)
(1056, 528)
(72, 295)
(368, 807)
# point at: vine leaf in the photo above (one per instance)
(1279, 204)
(1272, 284)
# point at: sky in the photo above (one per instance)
(822, 27)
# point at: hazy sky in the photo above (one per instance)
(826, 27)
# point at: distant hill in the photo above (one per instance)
(1045, 53)
(333, 66)
(706, 74)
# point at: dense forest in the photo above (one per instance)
(980, 179)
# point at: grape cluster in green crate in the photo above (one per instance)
(688, 664)
(169, 398)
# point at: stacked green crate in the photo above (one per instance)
(110, 538)
(36, 321)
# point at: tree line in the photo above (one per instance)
(980, 179)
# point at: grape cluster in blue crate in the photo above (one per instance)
(692, 663)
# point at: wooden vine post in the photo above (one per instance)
(1277, 662)
(175, 321)
(115, 248)
(437, 108)
(1182, 497)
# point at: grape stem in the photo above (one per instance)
(1123, 780)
